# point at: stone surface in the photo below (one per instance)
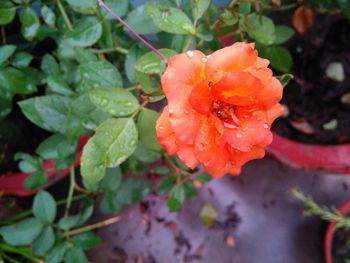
(258, 222)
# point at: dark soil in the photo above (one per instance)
(17, 134)
(312, 98)
(341, 246)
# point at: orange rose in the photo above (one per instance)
(220, 108)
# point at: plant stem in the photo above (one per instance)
(139, 108)
(71, 189)
(3, 35)
(110, 50)
(93, 226)
(132, 31)
(64, 15)
(15, 250)
(188, 43)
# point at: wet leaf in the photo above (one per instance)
(48, 16)
(283, 34)
(141, 22)
(150, 63)
(29, 23)
(7, 12)
(44, 207)
(146, 124)
(176, 198)
(83, 6)
(6, 51)
(199, 8)
(261, 28)
(120, 7)
(44, 242)
(22, 60)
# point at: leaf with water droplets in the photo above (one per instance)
(115, 140)
(170, 19)
(150, 63)
(146, 124)
(117, 102)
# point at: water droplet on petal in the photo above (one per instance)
(201, 146)
(230, 126)
(161, 127)
(266, 126)
(208, 56)
(190, 54)
(204, 60)
(239, 135)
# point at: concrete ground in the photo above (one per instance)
(259, 222)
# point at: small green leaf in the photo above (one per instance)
(50, 66)
(84, 55)
(29, 23)
(228, 18)
(285, 78)
(117, 102)
(57, 254)
(115, 140)
(58, 84)
(22, 59)
(146, 155)
(132, 191)
(7, 12)
(261, 28)
(280, 58)
(161, 170)
(203, 177)
(69, 222)
(245, 8)
(36, 180)
(100, 74)
(44, 207)
(120, 7)
(283, 34)
(112, 180)
(141, 22)
(56, 146)
(166, 184)
(17, 81)
(22, 233)
(149, 82)
(86, 240)
(146, 124)
(131, 58)
(6, 51)
(208, 214)
(176, 198)
(199, 7)
(44, 242)
(87, 31)
(170, 19)
(75, 255)
(48, 16)
(83, 6)
(150, 63)
(28, 163)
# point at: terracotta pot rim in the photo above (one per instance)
(328, 239)
(12, 183)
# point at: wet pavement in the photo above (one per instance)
(259, 222)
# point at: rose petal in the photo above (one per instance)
(165, 133)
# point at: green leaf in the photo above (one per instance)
(28, 163)
(146, 155)
(84, 55)
(285, 78)
(228, 18)
(48, 16)
(29, 23)
(100, 74)
(115, 140)
(261, 28)
(87, 31)
(191, 190)
(57, 254)
(166, 184)
(83, 6)
(44, 242)
(117, 102)
(280, 58)
(22, 233)
(150, 63)
(112, 180)
(69, 222)
(36, 180)
(203, 177)
(109, 204)
(245, 8)
(146, 124)
(22, 59)
(7, 12)
(149, 82)
(176, 198)
(131, 58)
(49, 65)
(6, 51)
(57, 146)
(5, 107)
(141, 22)
(48, 112)
(132, 191)
(75, 255)
(170, 19)
(120, 7)
(208, 214)
(283, 34)
(199, 7)
(44, 207)
(58, 84)
(204, 32)
(86, 240)
(16, 81)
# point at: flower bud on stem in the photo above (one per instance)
(132, 31)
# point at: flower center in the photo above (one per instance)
(225, 112)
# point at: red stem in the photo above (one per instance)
(132, 31)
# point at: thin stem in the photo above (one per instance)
(11, 260)
(17, 250)
(110, 50)
(188, 43)
(3, 35)
(64, 15)
(71, 189)
(139, 108)
(93, 226)
(132, 31)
